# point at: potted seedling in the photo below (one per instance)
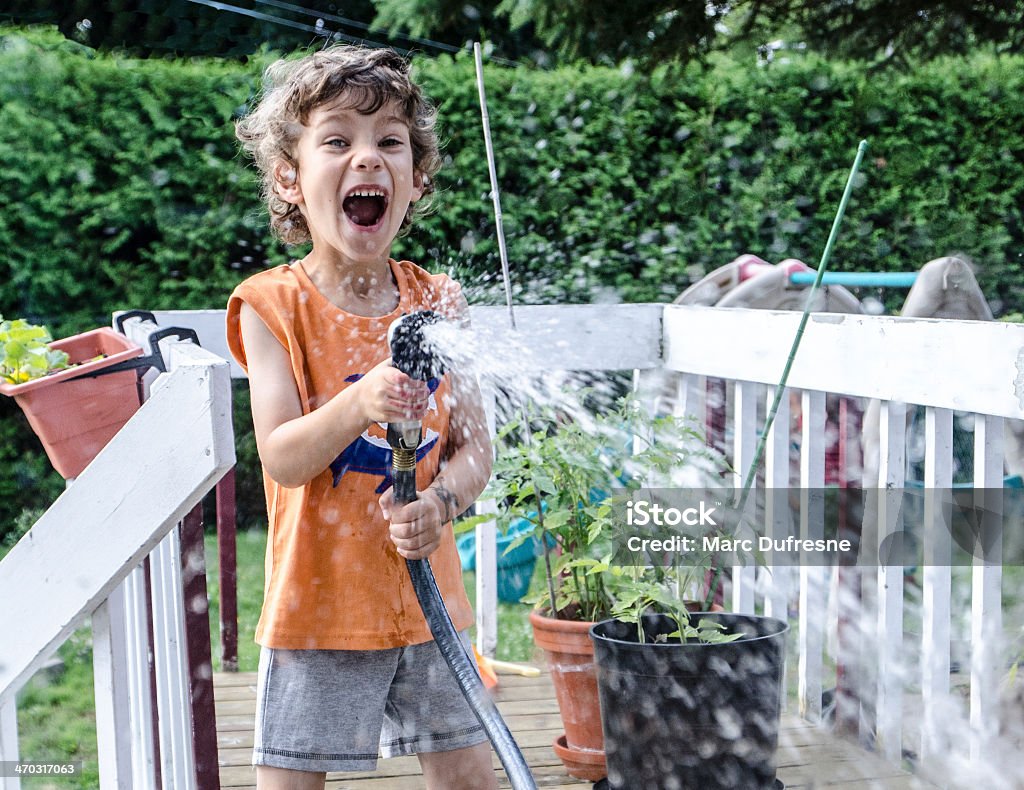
(561, 478)
(688, 698)
(71, 407)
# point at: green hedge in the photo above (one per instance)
(126, 188)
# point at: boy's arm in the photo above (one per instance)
(294, 448)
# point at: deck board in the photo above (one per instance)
(808, 756)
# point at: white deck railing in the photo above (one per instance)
(895, 363)
(82, 559)
(887, 366)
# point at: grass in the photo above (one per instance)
(57, 717)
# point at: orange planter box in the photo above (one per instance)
(75, 419)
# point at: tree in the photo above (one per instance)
(180, 27)
(895, 30)
(657, 30)
(599, 31)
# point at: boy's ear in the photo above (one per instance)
(286, 183)
(418, 183)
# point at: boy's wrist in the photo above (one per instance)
(448, 502)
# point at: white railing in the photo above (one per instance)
(943, 366)
(892, 363)
(82, 560)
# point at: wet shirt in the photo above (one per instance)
(334, 580)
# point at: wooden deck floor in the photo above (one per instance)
(809, 756)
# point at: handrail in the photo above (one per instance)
(135, 491)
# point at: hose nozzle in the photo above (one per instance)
(415, 356)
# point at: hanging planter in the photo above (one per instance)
(690, 714)
(77, 410)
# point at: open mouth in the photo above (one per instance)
(365, 206)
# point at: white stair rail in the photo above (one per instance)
(154, 471)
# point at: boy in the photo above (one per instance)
(345, 144)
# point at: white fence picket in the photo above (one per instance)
(138, 681)
(745, 432)
(778, 443)
(891, 473)
(487, 552)
(177, 763)
(9, 741)
(987, 577)
(937, 581)
(813, 587)
(109, 663)
(688, 403)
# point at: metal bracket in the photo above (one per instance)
(145, 315)
(155, 359)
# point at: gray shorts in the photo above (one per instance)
(334, 710)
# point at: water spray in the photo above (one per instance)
(414, 355)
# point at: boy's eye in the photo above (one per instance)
(390, 141)
(337, 143)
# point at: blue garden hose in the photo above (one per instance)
(412, 356)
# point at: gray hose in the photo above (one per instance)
(412, 355)
(466, 676)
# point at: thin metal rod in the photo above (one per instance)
(833, 234)
(507, 279)
(495, 193)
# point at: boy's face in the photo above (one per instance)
(355, 179)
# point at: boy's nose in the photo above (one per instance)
(366, 157)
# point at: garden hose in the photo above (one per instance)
(411, 354)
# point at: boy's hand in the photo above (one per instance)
(388, 395)
(416, 527)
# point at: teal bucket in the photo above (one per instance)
(515, 569)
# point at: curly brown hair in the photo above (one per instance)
(292, 89)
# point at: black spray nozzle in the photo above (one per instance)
(411, 351)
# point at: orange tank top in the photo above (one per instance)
(334, 580)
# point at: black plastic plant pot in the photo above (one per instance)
(690, 715)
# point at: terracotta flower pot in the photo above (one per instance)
(74, 419)
(570, 655)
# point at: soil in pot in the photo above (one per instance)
(690, 715)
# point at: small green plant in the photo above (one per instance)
(25, 353)
(658, 590)
(563, 477)
(558, 479)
